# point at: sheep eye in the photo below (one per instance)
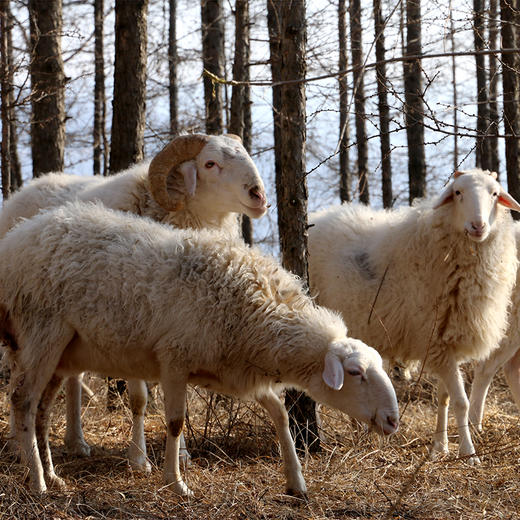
(354, 373)
(457, 192)
(209, 164)
(495, 194)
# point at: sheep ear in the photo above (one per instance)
(445, 197)
(189, 172)
(333, 372)
(504, 199)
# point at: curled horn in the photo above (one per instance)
(167, 161)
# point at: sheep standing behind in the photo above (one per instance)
(197, 181)
(507, 356)
(86, 288)
(430, 283)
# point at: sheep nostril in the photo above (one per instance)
(478, 225)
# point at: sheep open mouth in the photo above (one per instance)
(258, 200)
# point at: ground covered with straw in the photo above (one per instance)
(236, 472)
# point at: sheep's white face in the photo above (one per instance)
(227, 178)
(475, 195)
(353, 381)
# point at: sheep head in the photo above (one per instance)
(475, 196)
(353, 381)
(214, 173)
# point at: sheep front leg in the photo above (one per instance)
(42, 431)
(452, 379)
(74, 439)
(175, 408)
(440, 437)
(138, 396)
(292, 468)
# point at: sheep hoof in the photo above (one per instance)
(56, 482)
(297, 493)
(181, 489)
(438, 449)
(77, 447)
(472, 460)
(38, 488)
(141, 466)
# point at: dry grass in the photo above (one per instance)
(236, 471)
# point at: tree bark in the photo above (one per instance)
(47, 86)
(129, 100)
(359, 99)
(173, 61)
(455, 100)
(213, 61)
(5, 87)
(384, 110)
(287, 35)
(100, 152)
(240, 120)
(414, 109)
(482, 144)
(510, 81)
(344, 129)
(494, 162)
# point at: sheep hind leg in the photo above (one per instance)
(175, 408)
(137, 396)
(295, 483)
(512, 373)
(42, 431)
(74, 439)
(452, 379)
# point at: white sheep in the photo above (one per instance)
(429, 283)
(507, 356)
(197, 181)
(85, 288)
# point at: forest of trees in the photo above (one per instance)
(336, 100)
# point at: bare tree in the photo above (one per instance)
(344, 130)
(47, 86)
(5, 87)
(173, 61)
(384, 110)
(482, 144)
(14, 161)
(359, 98)
(510, 80)
(493, 88)
(100, 149)
(287, 35)
(240, 120)
(213, 61)
(414, 108)
(129, 101)
(454, 87)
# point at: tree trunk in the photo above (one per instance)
(47, 87)
(384, 110)
(344, 130)
(173, 61)
(100, 151)
(510, 82)
(287, 35)
(414, 110)
(129, 100)
(482, 144)
(241, 95)
(213, 61)
(5, 87)
(494, 163)
(455, 101)
(359, 98)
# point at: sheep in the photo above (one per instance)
(86, 288)
(507, 356)
(428, 283)
(197, 181)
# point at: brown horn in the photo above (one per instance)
(181, 149)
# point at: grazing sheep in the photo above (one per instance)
(197, 181)
(85, 288)
(429, 283)
(507, 356)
